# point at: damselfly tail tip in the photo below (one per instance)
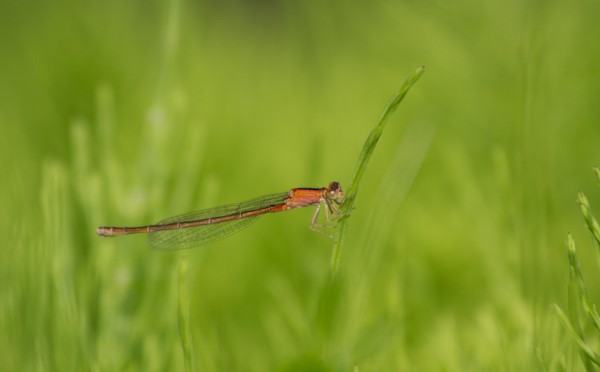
(103, 231)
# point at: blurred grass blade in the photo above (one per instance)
(590, 221)
(580, 294)
(363, 160)
(185, 331)
(577, 277)
(395, 184)
(589, 354)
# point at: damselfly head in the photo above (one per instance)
(334, 192)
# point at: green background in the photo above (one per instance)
(124, 113)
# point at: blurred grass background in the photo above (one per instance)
(123, 113)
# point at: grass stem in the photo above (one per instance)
(361, 165)
(185, 331)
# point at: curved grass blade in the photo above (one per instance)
(363, 160)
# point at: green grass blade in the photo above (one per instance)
(590, 221)
(577, 276)
(185, 331)
(590, 355)
(363, 161)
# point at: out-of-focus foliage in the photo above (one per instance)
(123, 113)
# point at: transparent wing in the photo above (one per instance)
(191, 237)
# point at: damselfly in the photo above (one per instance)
(206, 226)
